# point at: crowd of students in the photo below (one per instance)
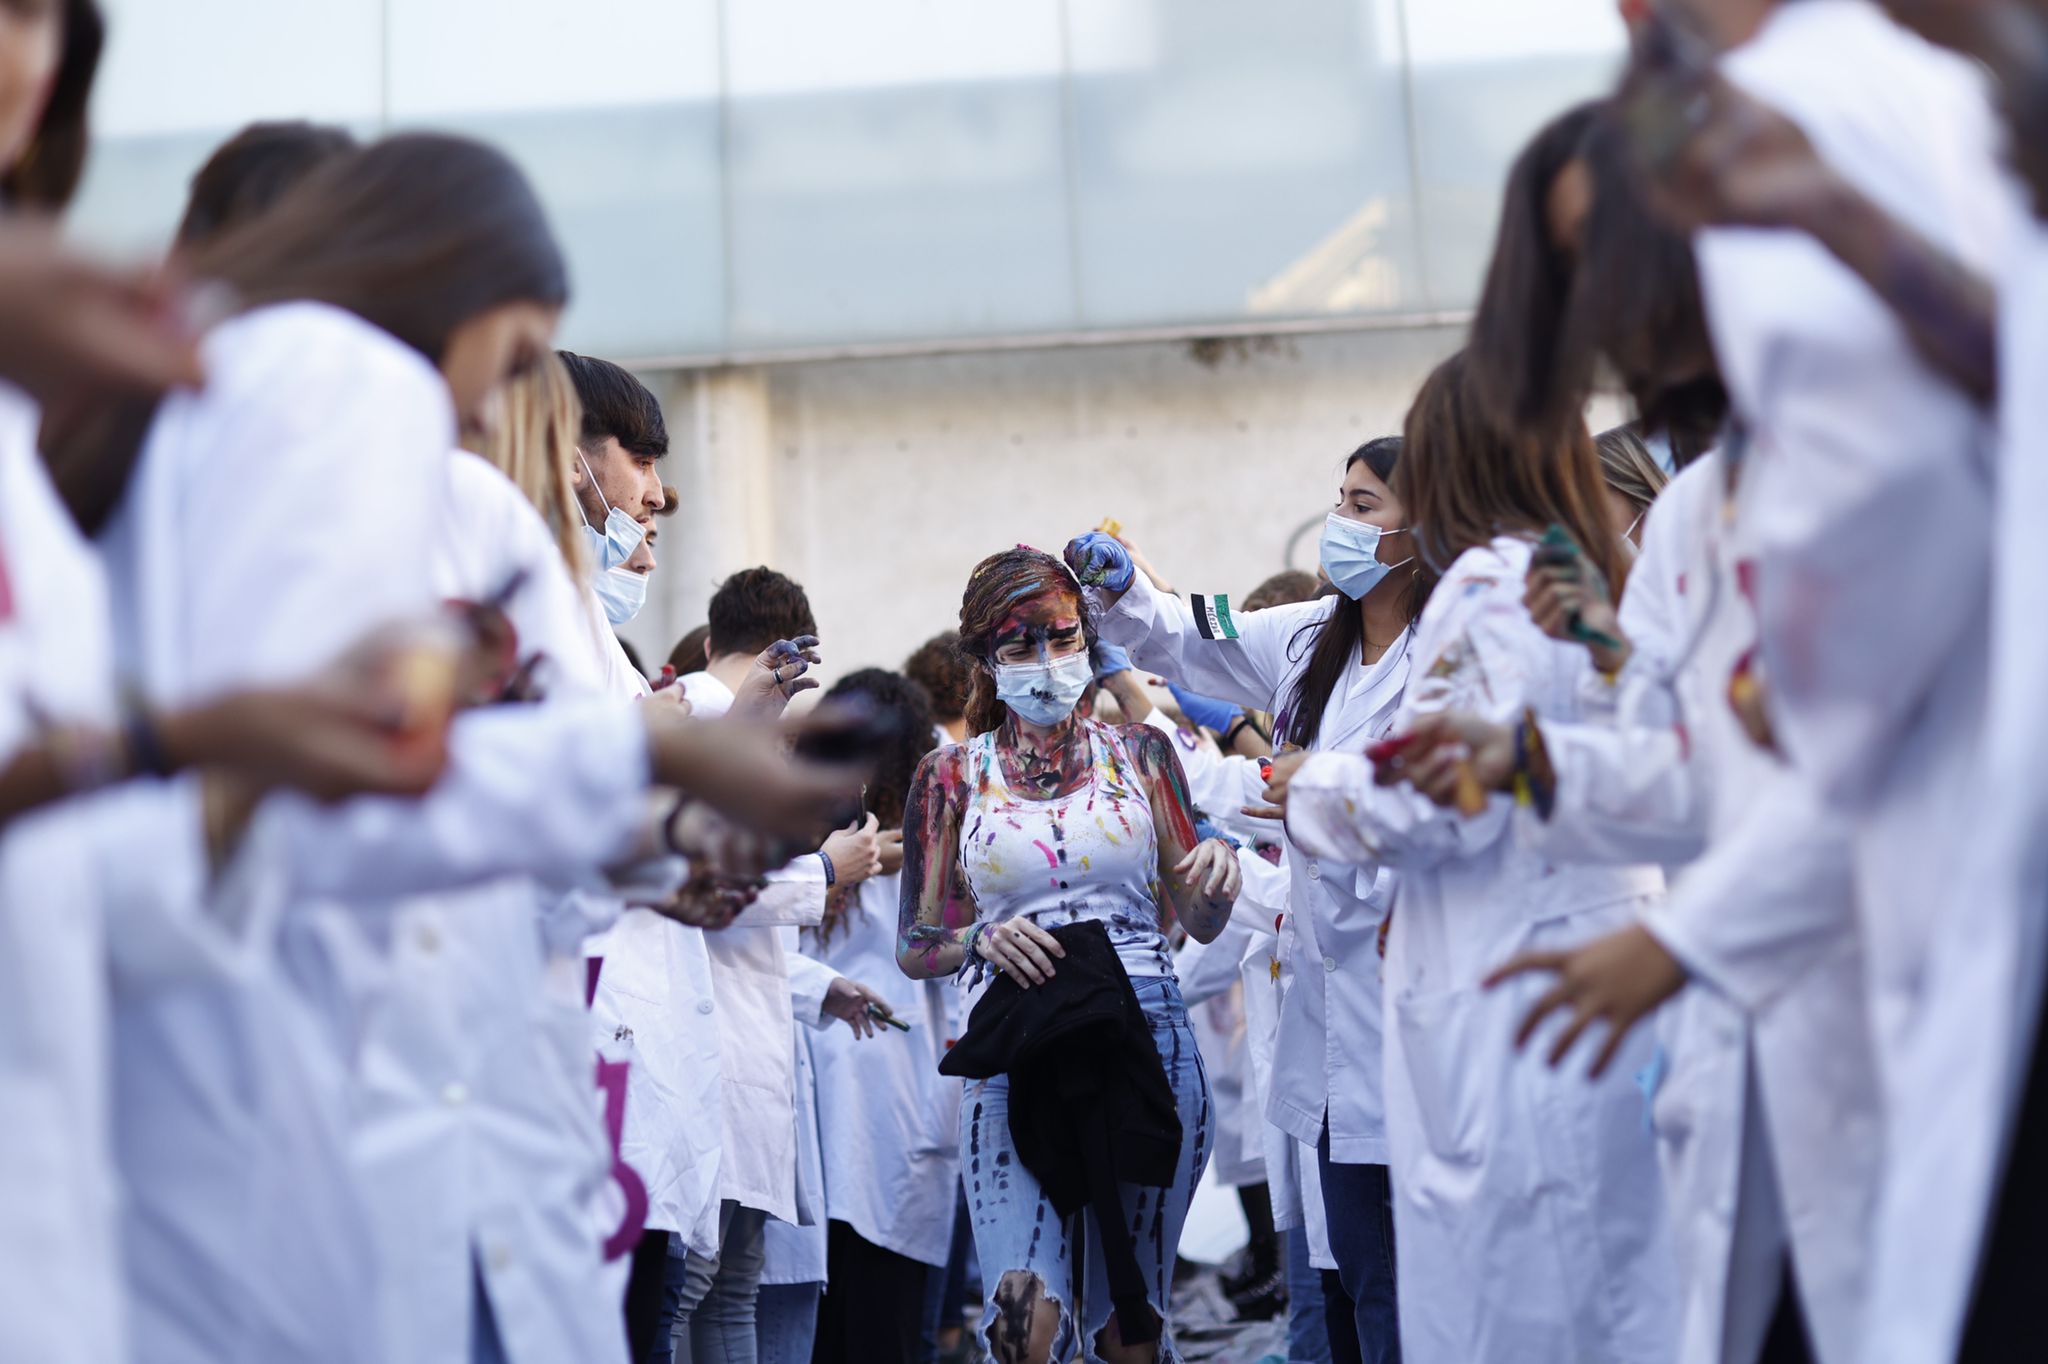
(1596, 919)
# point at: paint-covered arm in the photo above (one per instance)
(937, 909)
(1191, 889)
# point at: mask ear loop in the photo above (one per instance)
(601, 498)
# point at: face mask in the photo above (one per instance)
(1044, 693)
(612, 546)
(623, 592)
(1351, 555)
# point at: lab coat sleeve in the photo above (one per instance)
(1863, 456)
(488, 817)
(1770, 898)
(810, 980)
(1625, 796)
(1160, 633)
(794, 895)
(1475, 651)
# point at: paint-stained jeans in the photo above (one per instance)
(1015, 1226)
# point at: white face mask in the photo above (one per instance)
(1044, 693)
(1350, 555)
(622, 592)
(612, 546)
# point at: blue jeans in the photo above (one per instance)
(786, 1322)
(1308, 1336)
(1359, 1204)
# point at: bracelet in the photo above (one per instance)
(1230, 735)
(668, 828)
(831, 872)
(970, 940)
(145, 745)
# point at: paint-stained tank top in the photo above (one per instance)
(1093, 854)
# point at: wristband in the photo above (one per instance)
(831, 872)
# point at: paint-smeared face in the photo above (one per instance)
(1040, 628)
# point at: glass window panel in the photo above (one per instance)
(611, 107)
(895, 171)
(1253, 165)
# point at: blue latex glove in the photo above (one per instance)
(1206, 829)
(1110, 659)
(1100, 560)
(1206, 711)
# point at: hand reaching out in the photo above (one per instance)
(1618, 979)
(776, 676)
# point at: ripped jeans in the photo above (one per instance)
(1016, 1227)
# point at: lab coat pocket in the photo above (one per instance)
(1442, 1038)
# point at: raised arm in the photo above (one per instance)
(936, 916)
(1198, 878)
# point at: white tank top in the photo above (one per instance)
(1093, 854)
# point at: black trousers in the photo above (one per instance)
(644, 1289)
(873, 1308)
(1786, 1342)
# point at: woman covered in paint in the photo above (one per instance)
(1038, 788)
(1333, 672)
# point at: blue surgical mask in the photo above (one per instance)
(612, 546)
(622, 592)
(1351, 555)
(1044, 693)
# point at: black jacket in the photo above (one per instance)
(1090, 1105)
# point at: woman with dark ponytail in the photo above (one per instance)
(1333, 672)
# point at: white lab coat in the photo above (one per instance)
(476, 1129)
(1764, 921)
(1328, 1058)
(796, 1251)
(892, 1154)
(1527, 1204)
(61, 1298)
(1860, 450)
(273, 520)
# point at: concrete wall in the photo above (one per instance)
(878, 483)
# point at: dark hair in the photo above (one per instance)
(905, 712)
(688, 656)
(616, 406)
(1467, 479)
(1543, 327)
(996, 584)
(754, 608)
(48, 173)
(1288, 586)
(944, 672)
(252, 170)
(416, 234)
(1336, 637)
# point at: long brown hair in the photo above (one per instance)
(48, 173)
(998, 583)
(534, 444)
(416, 234)
(1465, 479)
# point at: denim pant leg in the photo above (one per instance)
(722, 1326)
(1360, 1204)
(786, 1322)
(1308, 1338)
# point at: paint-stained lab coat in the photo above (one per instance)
(1868, 497)
(891, 1121)
(273, 520)
(63, 873)
(1527, 1203)
(1328, 1058)
(1763, 917)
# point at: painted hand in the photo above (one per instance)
(1022, 949)
(1618, 979)
(710, 902)
(777, 675)
(1100, 560)
(1443, 754)
(1211, 869)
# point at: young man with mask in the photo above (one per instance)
(618, 485)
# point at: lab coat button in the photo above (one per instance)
(428, 939)
(1315, 873)
(1329, 963)
(455, 1094)
(703, 1006)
